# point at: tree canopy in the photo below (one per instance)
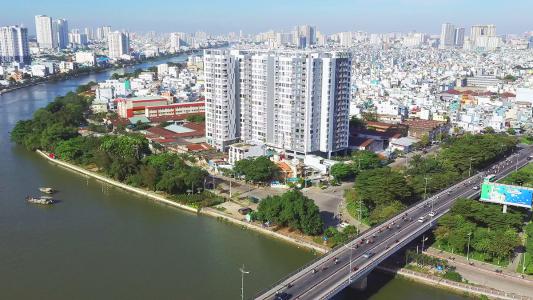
(292, 209)
(259, 169)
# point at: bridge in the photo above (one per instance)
(349, 264)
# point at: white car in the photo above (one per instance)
(421, 219)
(476, 187)
(432, 213)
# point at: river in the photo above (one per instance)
(100, 242)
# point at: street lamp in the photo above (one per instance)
(423, 241)
(468, 248)
(350, 270)
(242, 280)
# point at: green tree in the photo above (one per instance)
(259, 169)
(291, 209)
(488, 130)
(342, 171)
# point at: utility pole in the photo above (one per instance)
(230, 187)
(423, 241)
(242, 280)
(524, 257)
(468, 247)
(426, 187)
(360, 215)
(470, 168)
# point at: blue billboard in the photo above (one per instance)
(506, 194)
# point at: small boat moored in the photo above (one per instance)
(47, 190)
(44, 200)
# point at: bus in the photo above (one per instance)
(490, 178)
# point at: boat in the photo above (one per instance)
(44, 200)
(47, 190)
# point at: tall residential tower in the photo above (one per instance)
(45, 32)
(14, 45)
(295, 102)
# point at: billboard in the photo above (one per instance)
(506, 194)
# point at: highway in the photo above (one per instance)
(342, 266)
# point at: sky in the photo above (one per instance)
(253, 16)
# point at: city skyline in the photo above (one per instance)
(212, 16)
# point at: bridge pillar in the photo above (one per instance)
(360, 284)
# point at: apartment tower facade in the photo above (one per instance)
(296, 102)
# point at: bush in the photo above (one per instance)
(453, 276)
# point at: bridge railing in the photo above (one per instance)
(326, 255)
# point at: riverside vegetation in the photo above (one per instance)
(125, 157)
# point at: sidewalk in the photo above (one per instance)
(484, 274)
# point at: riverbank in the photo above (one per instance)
(442, 283)
(205, 211)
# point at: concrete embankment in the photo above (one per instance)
(439, 282)
(206, 211)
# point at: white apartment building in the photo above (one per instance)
(296, 102)
(447, 35)
(14, 45)
(87, 58)
(221, 100)
(45, 32)
(118, 44)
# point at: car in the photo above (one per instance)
(343, 225)
(421, 219)
(432, 213)
(476, 187)
(282, 296)
(244, 210)
(368, 255)
(254, 199)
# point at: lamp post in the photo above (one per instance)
(424, 238)
(242, 280)
(468, 247)
(350, 270)
(470, 168)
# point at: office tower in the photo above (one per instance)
(90, 33)
(346, 39)
(45, 32)
(179, 39)
(447, 35)
(118, 44)
(459, 37)
(305, 36)
(293, 101)
(14, 45)
(61, 33)
(77, 39)
(103, 32)
(484, 36)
